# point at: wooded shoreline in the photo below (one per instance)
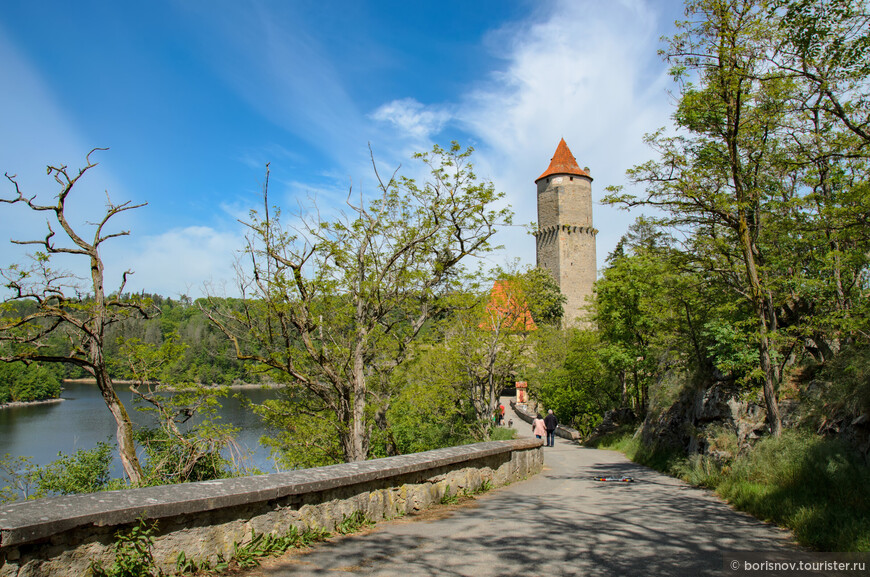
(11, 404)
(235, 386)
(88, 381)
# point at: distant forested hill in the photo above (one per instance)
(206, 357)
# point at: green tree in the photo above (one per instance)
(485, 347)
(332, 308)
(579, 389)
(431, 410)
(644, 312)
(766, 182)
(34, 382)
(541, 293)
(823, 46)
(188, 441)
(719, 177)
(449, 388)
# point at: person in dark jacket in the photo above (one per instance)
(550, 422)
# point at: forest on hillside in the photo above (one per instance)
(205, 356)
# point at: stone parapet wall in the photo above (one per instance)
(62, 535)
(561, 430)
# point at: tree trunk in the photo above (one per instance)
(732, 82)
(623, 382)
(124, 430)
(638, 407)
(124, 427)
(774, 420)
(358, 444)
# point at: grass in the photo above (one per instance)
(353, 523)
(624, 440)
(261, 545)
(502, 434)
(814, 486)
(449, 498)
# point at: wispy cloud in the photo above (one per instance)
(178, 262)
(275, 60)
(412, 118)
(38, 131)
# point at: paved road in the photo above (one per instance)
(560, 522)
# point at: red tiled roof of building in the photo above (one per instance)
(507, 309)
(563, 162)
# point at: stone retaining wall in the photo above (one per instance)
(62, 535)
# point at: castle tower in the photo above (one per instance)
(565, 239)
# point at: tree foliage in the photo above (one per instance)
(578, 387)
(762, 188)
(331, 306)
(22, 383)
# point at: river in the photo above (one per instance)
(81, 420)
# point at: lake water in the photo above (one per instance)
(81, 420)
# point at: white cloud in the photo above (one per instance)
(180, 261)
(412, 118)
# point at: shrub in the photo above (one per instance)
(85, 471)
(502, 434)
(133, 557)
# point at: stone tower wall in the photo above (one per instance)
(566, 239)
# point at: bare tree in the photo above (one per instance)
(66, 311)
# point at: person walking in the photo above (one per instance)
(550, 423)
(538, 427)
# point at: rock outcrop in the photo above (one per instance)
(718, 420)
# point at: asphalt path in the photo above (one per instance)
(560, 522)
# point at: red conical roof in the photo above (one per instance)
(563, 162)
(507, 309)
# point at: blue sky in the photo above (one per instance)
(193, 97)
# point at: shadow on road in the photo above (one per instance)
(558, 523)
(561, 522)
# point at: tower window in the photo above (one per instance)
(571, 177)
